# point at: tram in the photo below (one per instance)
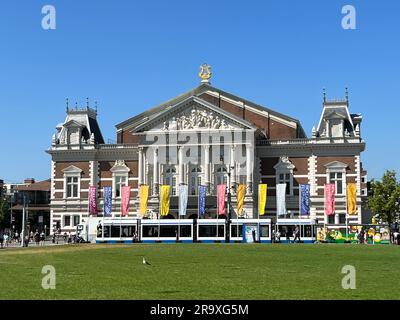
(115, 230)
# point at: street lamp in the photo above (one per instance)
(229, 199)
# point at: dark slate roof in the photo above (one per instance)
(95, 129)
(153, 112)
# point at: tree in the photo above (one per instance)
(4, 215)
(384, 197)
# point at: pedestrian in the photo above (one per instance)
(1, 239)
(253, 232)
(6, 239)
(31, 235)
(42, 238)
(37, 238)
(278, 236)
(361, 236)
(16, 237)
(288, 236)
(395, 236)
(296, 234)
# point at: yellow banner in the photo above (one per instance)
(240, 199)
(262, 198)
(144, 196)
(352, 198)
(165, 190)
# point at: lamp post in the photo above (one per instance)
(228, 206)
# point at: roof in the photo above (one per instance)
(153, 112)
(44, 185)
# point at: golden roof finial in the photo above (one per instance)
(205, 73)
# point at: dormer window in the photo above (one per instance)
(336, 128)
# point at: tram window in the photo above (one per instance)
(150, 231)
(115, 231)
(307, 232)
(264, 231)
(106, 232)
(211, 231)
(237, 230)
(186, 231)
(286, 231)
(168, 231)
(128, 231)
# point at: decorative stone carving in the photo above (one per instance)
(195, 120)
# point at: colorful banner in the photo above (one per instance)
(164, 200)
(304, 199)
(202, 200)
(221, 192)
(125, 199)
(144, 197)
(352, 199)
(281, 199)
(329, 199)
(241, 191)
(107, 208)
(183, 199)
(262, 198)
(93, 201)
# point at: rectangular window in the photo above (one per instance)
(331, 219)
(285, 178)
(342, 218)
(76, 220)
(337, 179)
(120, 181)
(72, 187)
(67, 221)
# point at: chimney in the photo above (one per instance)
(29, 181)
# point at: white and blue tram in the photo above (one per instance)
(116, 230)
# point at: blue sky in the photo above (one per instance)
(132, 55)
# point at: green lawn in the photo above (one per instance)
(201, 271)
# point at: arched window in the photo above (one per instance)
(170, 179)
(195, 180)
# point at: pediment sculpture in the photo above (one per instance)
(197, 119)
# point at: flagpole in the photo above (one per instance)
(258, 215)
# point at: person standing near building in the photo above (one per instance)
(42, 238)
(296, 234)
(6, 239)
(1, 239)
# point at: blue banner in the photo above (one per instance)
(304, 199)
(202, 200)
(107, 191)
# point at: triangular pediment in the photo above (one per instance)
(336, 165)
(73, 124)
(72, 170)
(194, 114)
(284, 164)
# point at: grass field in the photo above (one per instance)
(201, 271)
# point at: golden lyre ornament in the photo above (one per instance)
(205, 73)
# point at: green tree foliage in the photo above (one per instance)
(384, 197)
(4, 213)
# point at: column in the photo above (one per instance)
(155, 172)
(181, 167)
(249, 168)
(207, 168)
(140, 166)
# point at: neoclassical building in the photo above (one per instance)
(207, 136)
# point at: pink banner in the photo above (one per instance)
(92, 201)
(221, 191)
(329, 199)
(126, 195)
